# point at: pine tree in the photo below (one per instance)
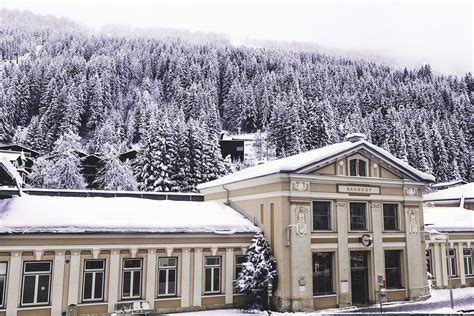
(258, 270)
(115, 174)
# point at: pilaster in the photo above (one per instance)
(74, 273)
(150, 276)
(229, 275)
(58, 281)
(13, 292)
(343, 254)
(114, 274)
(185, 277)
(197, 291)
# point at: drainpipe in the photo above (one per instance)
(227, 202)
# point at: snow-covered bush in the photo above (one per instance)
(258, 270)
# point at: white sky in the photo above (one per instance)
(410, 31)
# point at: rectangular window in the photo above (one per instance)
(212, 275)
(321, 215)
(353, 167)
(429, 261)
(452, 262)
(3, 278)
(322, 273)
(36, 283)
(131, 278)
(467, 253)
(93, 280)
(393, 271)
(358, 216)
(167, 278)
(390, 217)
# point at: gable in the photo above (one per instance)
(376, 165)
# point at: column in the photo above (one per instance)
(378, 252)
(197, 292)
(444, 267)
(229, 276)
(74, 273)
(460, 263)
(438, 272)
(343, 255)
(301, 257)
(13, 291)
(58, 281)
(150, 277)
(114, 275)
(185, 276)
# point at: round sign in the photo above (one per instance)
(366, 240)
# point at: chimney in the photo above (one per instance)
(355, 137)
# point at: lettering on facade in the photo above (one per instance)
(358, 189)
(301, 221)
(410, 191)
(413, 226)
(300, 186)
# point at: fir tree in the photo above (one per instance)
(258, 271)
(115, 174)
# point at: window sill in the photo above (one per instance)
(395, 290)
(167, 298)
(324, 295)
(35, 307)
(213, 294)
(91, 303)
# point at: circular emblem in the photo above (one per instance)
(366, 240)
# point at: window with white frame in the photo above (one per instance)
(167, 267)
(321, 215)
(452, 262)
(212, 268)
(390, 217)
(3, 278)
(358, 215)
(357, 167)
(131, 278)
(93, 280)
(36, 283)
(467, 254)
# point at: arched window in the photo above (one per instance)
(357, 167)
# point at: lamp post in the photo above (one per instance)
(434, 232)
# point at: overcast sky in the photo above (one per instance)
(412, 32)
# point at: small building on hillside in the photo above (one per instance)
(233, 148)
(337, 218)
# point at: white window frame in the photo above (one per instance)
(452, 262)
(357, 158)
(94, 273)
(167, 269)
(37, 274)
(3, 274)
(399, 213)
(367, 223)
(132, 279)
(467, 261)
(211, 268)
(331, 217)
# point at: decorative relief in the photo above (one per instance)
(342, 204)
(376, 205)
(413, 226)
(300, 186)
(301, 221)
(410, 191)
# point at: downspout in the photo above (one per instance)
(227, 202)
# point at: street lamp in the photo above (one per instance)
(445, 236)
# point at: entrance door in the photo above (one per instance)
(359, 278)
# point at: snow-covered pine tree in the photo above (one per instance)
(41, 175)
(115, 174)
(258, 271)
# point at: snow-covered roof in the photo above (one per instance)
(448, 184)
(448, 219)
(51, 214)
(7, 166)
(455, 193)
(294, 163)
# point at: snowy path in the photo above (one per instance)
(438, 303)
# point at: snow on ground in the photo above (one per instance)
(437, 304)
(52, 214)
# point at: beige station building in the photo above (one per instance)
(336, 217)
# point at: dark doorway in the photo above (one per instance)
(359, 278)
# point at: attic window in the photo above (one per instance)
(357, 167)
